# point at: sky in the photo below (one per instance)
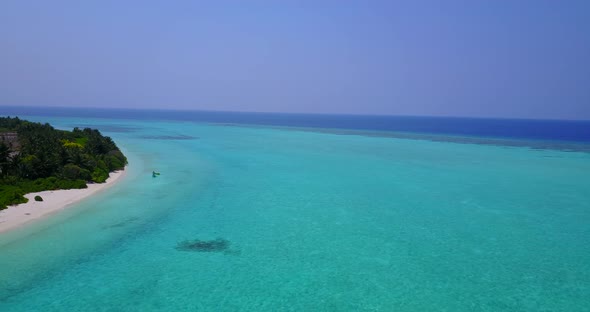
(478, 58)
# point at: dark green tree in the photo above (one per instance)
(43, 158)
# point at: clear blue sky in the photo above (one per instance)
(492, 58)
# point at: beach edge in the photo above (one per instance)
(17, 216)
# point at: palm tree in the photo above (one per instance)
(4, 158)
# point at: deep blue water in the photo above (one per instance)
(543, 130)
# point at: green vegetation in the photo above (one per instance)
(36, 157)
(38, 198)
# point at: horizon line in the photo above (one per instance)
(295, 113)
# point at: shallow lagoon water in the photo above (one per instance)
(312, 221)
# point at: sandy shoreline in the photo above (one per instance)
(53, 201)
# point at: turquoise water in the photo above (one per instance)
(315, 222)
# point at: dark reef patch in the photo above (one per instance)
(197, 245)
(168, 137)
(109, 128)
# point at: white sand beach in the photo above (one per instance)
(53, 201)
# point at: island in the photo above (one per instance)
(36, 157)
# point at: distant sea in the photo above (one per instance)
(293, 212)
(530, 129)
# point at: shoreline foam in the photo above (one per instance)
(17, 216)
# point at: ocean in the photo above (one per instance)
(279, 212)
